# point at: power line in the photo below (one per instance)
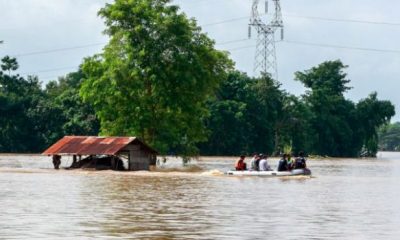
(58, 50)
(76, 47)
(342, 20)
(233, 41)
(343, 47)
(92, 45)
(212, 24)
(308, 17)
(325, 46)
(225, 21)
(98, 44)
(252, 46)
(51, 77)
(48, 70)
(240, 48)
(304, 17)
(198, 2)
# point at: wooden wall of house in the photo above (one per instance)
(139, 159)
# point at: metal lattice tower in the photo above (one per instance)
(265, 57)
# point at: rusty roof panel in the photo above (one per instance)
(84, 145)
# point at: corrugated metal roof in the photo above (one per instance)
(85, 145)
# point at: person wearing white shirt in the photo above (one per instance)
(263, 165)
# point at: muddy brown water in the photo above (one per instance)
(345, 199)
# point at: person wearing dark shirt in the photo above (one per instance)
(300, 162)
(283, 163)
(56, 161)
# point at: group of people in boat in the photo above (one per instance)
(259, 162)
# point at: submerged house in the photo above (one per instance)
(90, 151)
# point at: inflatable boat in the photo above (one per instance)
(296, 172)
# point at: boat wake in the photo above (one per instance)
(187, 169)
(214, 172)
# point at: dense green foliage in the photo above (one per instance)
(245, 115)
(389, 137)
(341, 127)
(154, 76)
(161, 79)
(255, 115)
(31, 118)
(77, 117)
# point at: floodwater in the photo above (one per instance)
(345, 199)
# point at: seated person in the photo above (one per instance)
(240, 164)
(254, 162)
(264, 164)
(300, 162)
(283, 164)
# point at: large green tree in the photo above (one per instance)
(331, 113)
(372, 114)
(244, 116)
(230, 125)
(154, 76)
(341, 127)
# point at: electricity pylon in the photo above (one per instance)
(265, 57)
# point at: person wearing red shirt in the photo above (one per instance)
(240, 164)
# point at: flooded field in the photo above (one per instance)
(345, 199)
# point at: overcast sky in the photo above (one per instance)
(51, 37)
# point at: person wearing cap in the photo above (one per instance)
(264, 164)
(240, 164)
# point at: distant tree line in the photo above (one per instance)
(389, 137)
(161, 79)
(32, 118)
(255, 115)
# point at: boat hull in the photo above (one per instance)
(296, 172)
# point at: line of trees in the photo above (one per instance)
(255, 115)
(33, 118)
(161, 78)
(389, 137)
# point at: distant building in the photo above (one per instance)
(108, 151)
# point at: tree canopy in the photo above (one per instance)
(256, 115)
(32, 118)
(154, 77)
(341, 127)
